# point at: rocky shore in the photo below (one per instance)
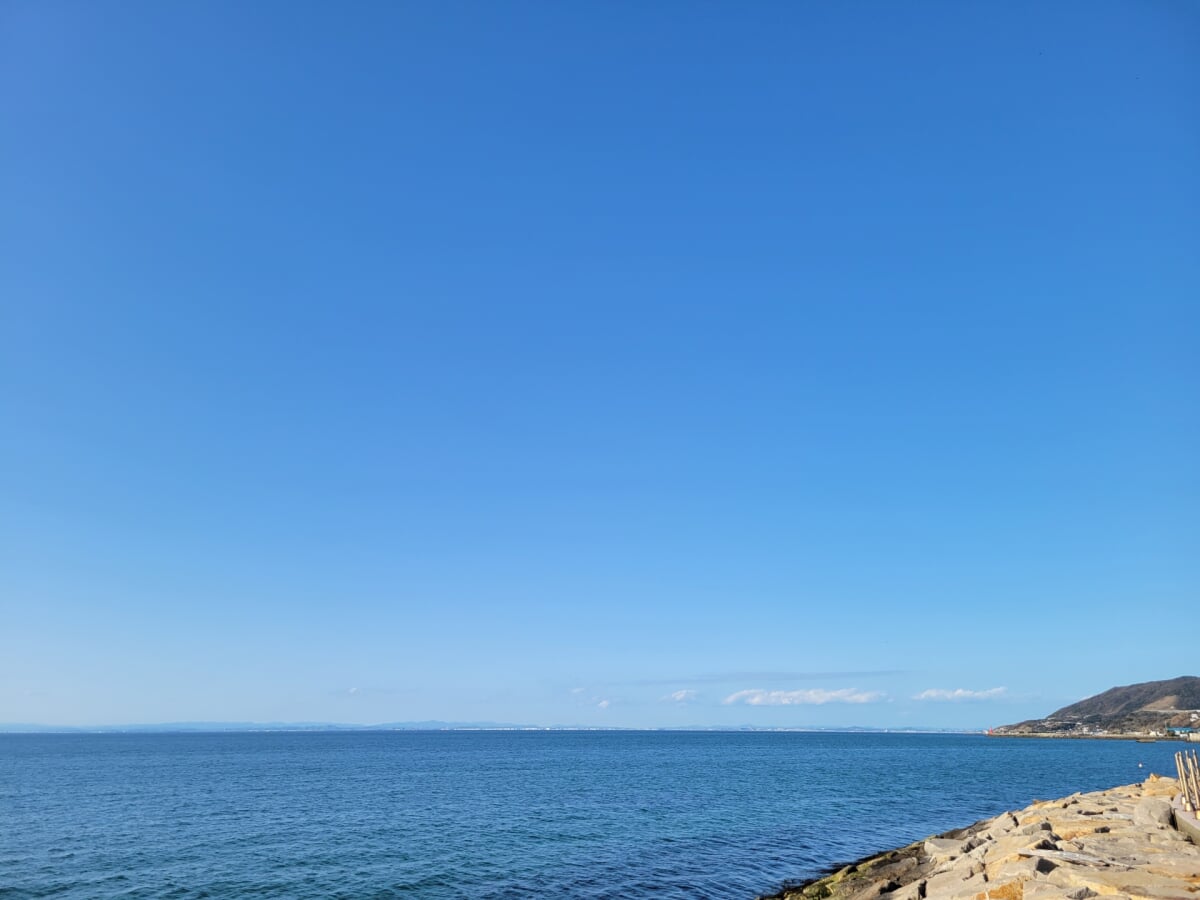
(1120, 843)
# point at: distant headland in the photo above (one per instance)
(1150, 710)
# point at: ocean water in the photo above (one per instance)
(501, 814)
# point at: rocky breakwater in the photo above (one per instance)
(1118, 843)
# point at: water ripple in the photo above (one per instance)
(499, 815)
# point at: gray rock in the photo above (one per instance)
(914, 891)
(1152, 811)
(876, 890)
(950, 884)
(943, 848)
(1034, 828)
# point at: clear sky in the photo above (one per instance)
(600, 363)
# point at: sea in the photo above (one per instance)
(503, 814)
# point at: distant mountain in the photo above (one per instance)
(1181, 693)
(1152, 706)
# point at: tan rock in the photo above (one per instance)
(1175, 865)
(1128, 881)
(1168, 837)
(1021, 869)
(943, 848)
(953, 885)
(1016, 846)
(1157, 786)
(1011, 890)
(1036, 827)
(1117, 844)
(874, 891)
(1041, 890)
(913, 891)
(1152, 811)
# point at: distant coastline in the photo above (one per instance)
(435, 726)
(1141, 737)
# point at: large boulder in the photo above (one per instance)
(1152, 812)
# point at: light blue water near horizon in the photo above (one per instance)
(502, 814)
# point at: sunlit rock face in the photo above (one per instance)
(1120, 843)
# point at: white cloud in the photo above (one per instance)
(814, 697)
(578, 690)
(352, 691)
(681, 696)
(604, 704)
(959, 694)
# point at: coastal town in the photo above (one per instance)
(1069, 729)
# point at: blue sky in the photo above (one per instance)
(596, 363)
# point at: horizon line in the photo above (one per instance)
(435, 725)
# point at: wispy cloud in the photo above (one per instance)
(763, 677)
(812, 697)
(681, 696)
(364, 691)
(587, 697)
(960, 694)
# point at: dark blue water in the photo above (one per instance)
(501, 814)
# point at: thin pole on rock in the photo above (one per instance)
(1190, 769)
(1187, 780)
(1194, 766)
